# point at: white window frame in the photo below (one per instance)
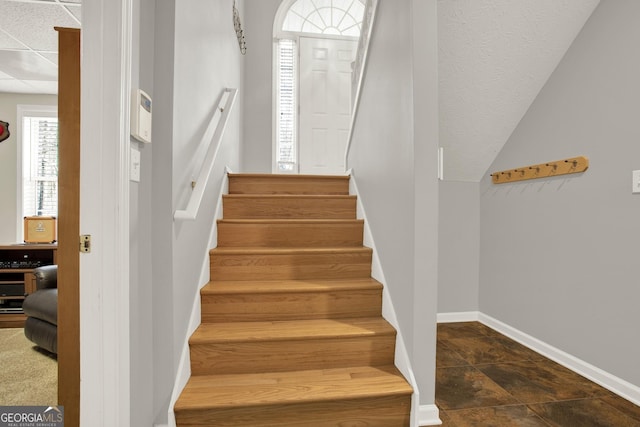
(276, 106)
(279, 34)
(22, 112)
(317, 6)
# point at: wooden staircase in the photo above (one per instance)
(292, 333)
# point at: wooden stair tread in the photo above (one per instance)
(278, 286)
(208, 333)
(259, 250)
(292, 332)
(288, 196)
(291, 232)
(303, 221)
(285, 205)
(277, 388)
(288, 184)
(288, 177)
(268, 300)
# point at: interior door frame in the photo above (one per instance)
(68, 223)
(104, 213)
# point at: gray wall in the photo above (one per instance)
(381, 156)
(386, 143)
(162, 207)
(459, 251)
(9, 210)
(424, 45)
(559, 257)
(140, 265)
(207, 60)
(185, 54)
(258, 86)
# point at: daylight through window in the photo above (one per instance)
(286, 110)
(39, 166)
(331, 17)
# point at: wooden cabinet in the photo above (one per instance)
(17, 280)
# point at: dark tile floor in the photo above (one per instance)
(486, 379)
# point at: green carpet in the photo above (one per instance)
(28, 375)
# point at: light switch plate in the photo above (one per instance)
(134, 171)
(636, 182)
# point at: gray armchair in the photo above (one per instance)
(41, 309)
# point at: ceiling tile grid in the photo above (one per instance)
(29, 43)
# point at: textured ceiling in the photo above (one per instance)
(495, 56)
(29, 44)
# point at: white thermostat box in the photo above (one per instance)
(141, 116)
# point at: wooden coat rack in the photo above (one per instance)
(542, 170)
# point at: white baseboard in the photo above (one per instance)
(609, 381)
(429, 415)
(463, 316)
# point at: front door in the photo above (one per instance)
(325, 103)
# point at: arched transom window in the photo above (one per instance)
(330, 17)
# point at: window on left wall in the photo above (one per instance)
(39, 166)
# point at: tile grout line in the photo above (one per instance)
(599, 395)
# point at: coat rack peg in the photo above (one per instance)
(542, 170)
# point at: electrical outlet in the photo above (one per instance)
(636, 182)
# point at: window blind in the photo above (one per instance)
(286, 113)
(40, 166)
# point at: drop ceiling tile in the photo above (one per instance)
(51, 56)
(27, 66)
(7, 42)
(49, 88)
(15, 86)
(76, 11)
(32, 23)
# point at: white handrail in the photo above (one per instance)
(219, 119)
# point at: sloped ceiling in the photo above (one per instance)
(495, 56)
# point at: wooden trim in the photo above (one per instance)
(12, 321)
(69, 224)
